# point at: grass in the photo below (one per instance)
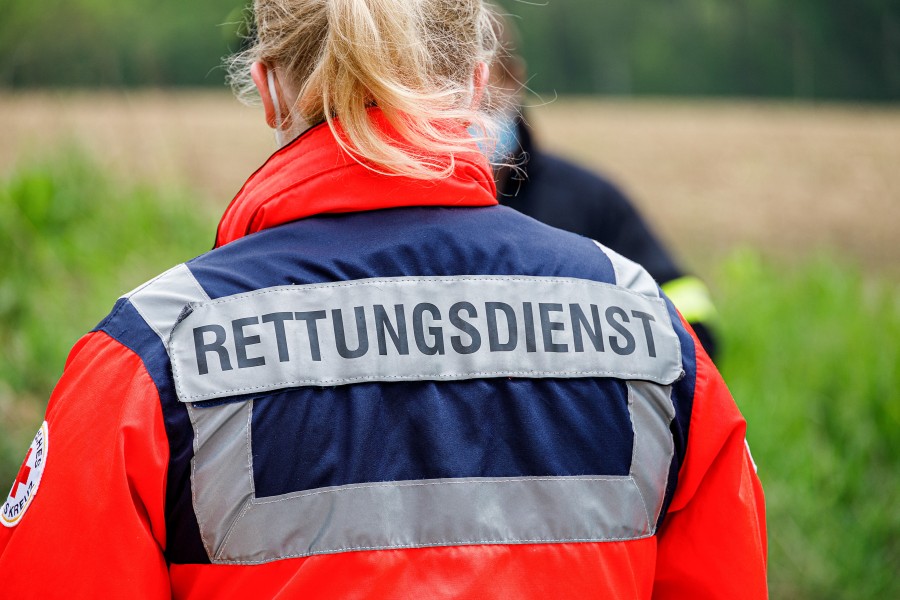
(811, 352)
(73, 240)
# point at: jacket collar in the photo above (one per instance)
(313, 175)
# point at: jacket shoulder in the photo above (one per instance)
(142, 319)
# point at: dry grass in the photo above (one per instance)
(790, 179)
(205, 140)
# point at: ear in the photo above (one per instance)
(260, 73)
(480, 80)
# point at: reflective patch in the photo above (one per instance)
(27, 480)
(629, 274)
(691, 297)
(160, 301)
(239, 528)
(420, 328)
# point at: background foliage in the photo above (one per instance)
(799, 48)
(811, 355)
(71, 242)
(846, 49)
(60, 43)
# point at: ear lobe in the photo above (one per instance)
(259, 72)
(480, 80)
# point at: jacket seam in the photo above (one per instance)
(453, 543)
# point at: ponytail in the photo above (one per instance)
(412, 59)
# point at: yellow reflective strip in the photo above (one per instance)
(691, 297)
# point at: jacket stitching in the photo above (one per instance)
(413, 280)
(440, 544)
(414, 377)
(247, 503)
(392, 485)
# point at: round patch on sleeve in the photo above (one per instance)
(26, 484)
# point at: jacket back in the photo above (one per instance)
(406, 402)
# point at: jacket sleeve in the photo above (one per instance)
(712, 543)
(95, 526)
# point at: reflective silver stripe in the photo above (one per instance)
(651, 404)
(161, 300)
(652, 412)
(421, 328)
(222, 468)
(631, 275)
(238, 528)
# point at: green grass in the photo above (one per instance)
(813, 358)
(811, 352)
(72, 241)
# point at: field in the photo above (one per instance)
(789, 211)
(786, 179)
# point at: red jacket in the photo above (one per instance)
(101, 524)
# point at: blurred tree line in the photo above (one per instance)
(846, 49)
(113, 43)
(841, 49)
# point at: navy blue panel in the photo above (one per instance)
(318, 437)
(183, 542)
(443, 242)
(683, 399)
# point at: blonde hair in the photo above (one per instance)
(413, 59)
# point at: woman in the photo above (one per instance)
(381, 384)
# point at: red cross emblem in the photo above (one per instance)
(22, 477)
